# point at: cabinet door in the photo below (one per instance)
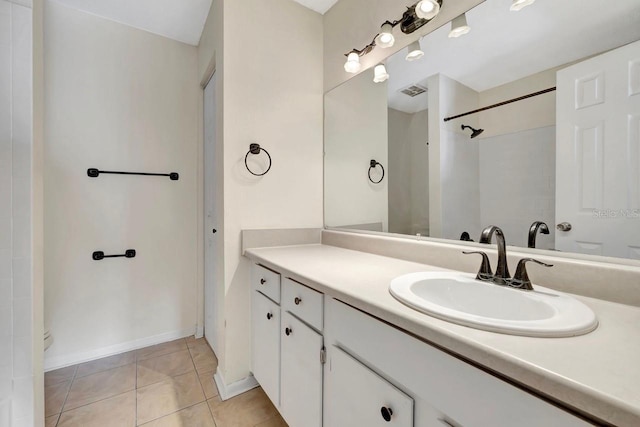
(357, 396)
(265, 337)
(301, 376)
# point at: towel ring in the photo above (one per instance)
(255, 149)
(372, 165)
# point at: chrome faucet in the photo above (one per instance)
(502, 269)
(533, 232)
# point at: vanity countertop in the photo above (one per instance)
(597, 374)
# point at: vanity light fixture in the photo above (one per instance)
(353, 63)
(385, 39)
(415, 52)
(520, 4)
(427, 9)
(413, 18)
(459, 26)
(380, 74)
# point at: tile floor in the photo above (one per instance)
(165, 385)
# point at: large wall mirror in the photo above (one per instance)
(556, 165)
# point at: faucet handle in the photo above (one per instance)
(521, 278)
(485, 272)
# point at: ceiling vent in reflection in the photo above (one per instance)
(413, 90)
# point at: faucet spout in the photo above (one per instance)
(502, 269)
(537, 226)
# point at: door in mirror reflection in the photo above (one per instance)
(598, 155)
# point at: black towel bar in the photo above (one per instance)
(94, 173)
(99, 255)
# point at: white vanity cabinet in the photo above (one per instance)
(265, 336)
(287, 345)
(446, 390)
(301, 375)
(357, 396)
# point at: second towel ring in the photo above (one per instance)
(255, 149)
(372, 164)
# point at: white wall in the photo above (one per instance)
(399, 172)
(454, 199)
(532, 113)
(408, 172)
(355, 132)
(17, 325)
(524, 189)
(117, 98)
(520, 138)
(274, 97)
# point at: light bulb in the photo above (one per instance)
(385, 38)
(459, 26)
(353, 63)
(414, 51)
(380, 74)
(427, 9)
(519, 4)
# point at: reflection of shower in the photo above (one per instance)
(475, 132)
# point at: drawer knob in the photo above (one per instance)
(288, 331)
(386, 413)
(269, 316)
(297, 301)
(263, 281)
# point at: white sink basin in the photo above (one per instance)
(459, 298)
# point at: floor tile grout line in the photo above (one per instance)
(99, 400)
(155, 345)
(174, 412)
(73, 378)
(136, 391)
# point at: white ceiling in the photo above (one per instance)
(181, 20)
(320, 6)
(504, 46)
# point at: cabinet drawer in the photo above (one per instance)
(265, 344)
(357, 396)
(304, 302)
(266, 281)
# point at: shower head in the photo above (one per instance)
(474, 133)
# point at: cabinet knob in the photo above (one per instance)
(386, 413)
(263, 281)
(269, 316)
(297, 301)
(288, 331)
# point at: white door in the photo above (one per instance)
(598, 155)
(210, 221)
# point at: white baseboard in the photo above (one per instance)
(227, 391)
(56, 362)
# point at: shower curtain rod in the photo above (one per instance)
(500, 104)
